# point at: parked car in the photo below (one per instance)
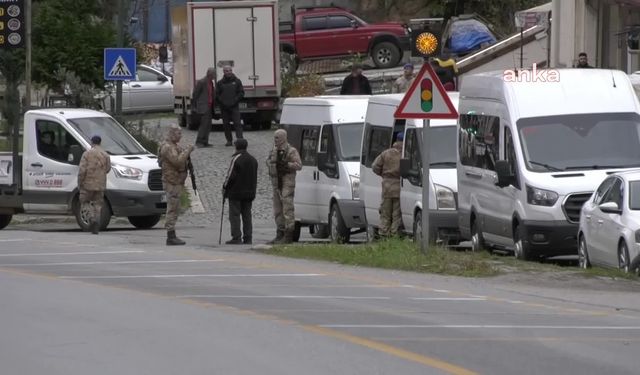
(610, 224)
(328, 32)
(152, 91)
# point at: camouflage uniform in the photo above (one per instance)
(283, 180)
(173, 161)
(402, 84)
(95, 164)
(387, 165)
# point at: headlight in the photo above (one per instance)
(445, 198)
(540, 197)
(355, 186)
(131, 173)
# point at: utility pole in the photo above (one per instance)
(27, 41)
(122, 21)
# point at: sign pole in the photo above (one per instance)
(426, 161)
(122, 16)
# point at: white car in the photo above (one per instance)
(152, 91)
(609, 233)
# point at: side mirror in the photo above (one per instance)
(163, 78)
(354, 24)
(405, 165)
(75, 154)
(610, 208)
(505, 177)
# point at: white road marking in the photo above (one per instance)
(186, 276)
(73, 253)
(515, 302)
(281, 297)
(14, 240)
(442, 291)
(480, 326)
(448, 299)
(116, 262)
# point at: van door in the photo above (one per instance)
(51, 168)
(411, 191)
(306, 179)
(376, 139)
(506, 197)
(328, 176)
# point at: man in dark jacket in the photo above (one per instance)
(229, 93)
(240, 189)
(202, 106)
(355, 83)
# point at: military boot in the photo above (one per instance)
(287, 238)
(279, 237)
(172, 240)
(94, 227)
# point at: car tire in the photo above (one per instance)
(144, 222)
(81, 219)
(583, 253)
(296, 232)
(5, 220)
(624, 263)
(385, 55)
(339, 233)
(417, 227)
(319, 231)
(522, 250)
(477, 241)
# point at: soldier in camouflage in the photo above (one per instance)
(95, 164)
(387, 166)
(283, 163)
(173, 161)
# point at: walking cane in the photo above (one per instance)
(221, 220)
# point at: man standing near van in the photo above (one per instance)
(230, 92)
(283, 163)
(403, 82)
(355, 83)
(95, 164)
(202, 105)
(173, 161)
(387, 166)
(240, 189)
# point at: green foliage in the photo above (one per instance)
(294, 85)
(71, 35)
(82, 95)
(12, 69)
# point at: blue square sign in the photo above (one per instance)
(119, 64)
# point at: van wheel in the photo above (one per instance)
(319, 231)
(477, 242)
(417, 228)
(296, 232)
(522, 250)
(82, 217)
(339, 232)
(385, 55)
(5, 220)
(144, 222)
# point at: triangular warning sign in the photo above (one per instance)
(120, 69)
(426, 98)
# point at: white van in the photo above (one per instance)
(326, 130)
(381, 129)
(44, 178)
(531, 153)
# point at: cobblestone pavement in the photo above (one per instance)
(211, 166)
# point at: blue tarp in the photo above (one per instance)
(468, 35)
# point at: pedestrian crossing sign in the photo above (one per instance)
(119, 64)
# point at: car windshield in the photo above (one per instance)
(634, 195)
(580, 142)
(349, 136)
(115, 140)
(443, 147)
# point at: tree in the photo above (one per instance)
(12, 69)
(70, 35)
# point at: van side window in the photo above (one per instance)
(54, 142)
(327, 143)
(376, 140)
(479, 141)
(510, 154)
(309, 149)
(294, 135)
(412, 152)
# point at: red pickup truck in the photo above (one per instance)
(329, 32)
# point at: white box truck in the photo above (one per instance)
(243, 34)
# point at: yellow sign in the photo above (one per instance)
(426, 43)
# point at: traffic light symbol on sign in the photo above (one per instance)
(426, 95)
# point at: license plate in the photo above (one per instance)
(163, 198)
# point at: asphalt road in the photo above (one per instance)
(123, 303)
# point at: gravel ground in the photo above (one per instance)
(211, 165)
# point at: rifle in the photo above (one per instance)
(279, 168)
(192, 174)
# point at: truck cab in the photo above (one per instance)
(44, 181)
